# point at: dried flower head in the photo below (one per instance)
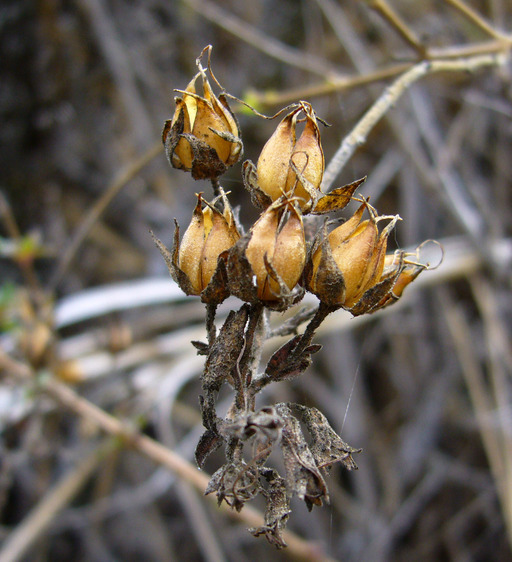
(268, 262)
(288, 165)
(349, 261)
(198, 263)
(402, 272)
(203, 136)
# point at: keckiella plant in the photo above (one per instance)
(270, 267)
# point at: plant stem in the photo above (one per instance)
(389, 97)
(322, 312)
(253, 344)
(211, 310)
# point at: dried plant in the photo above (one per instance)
(430, 406)
(270, 267)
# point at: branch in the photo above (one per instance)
(347, 81)
(56, 499)
(297, 547)
(98, 209)
(390, 96)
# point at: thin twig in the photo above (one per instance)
(121, 68)
(297, 547)
(98, 209)
(13, 231)
(399, 25)
(321, 314)
(252, 338)
(347, 82)
(54, 501)
(390, 96)
(477, 19)
(261, 41)
(481, 401)
(211, 331)
(498, 353)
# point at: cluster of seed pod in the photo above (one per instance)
(271, 266)
(273, 262)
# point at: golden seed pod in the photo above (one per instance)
(209, 234)
(350, 261)
(290, 165)
(404, 274)
(276, 251)
(203, 136)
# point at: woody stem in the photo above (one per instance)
(211, 310)
(253, 342)
(322, 311)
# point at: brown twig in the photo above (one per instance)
(55, 500)
(98, 209)
(347, 82)
(399, 25)
(389, 97)
(481, 399)
(158, 453)
(478, 20)
(261, 41)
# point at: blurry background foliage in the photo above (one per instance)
(424, 389)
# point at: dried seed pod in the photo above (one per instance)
(290, 165)
(267, 264)
(198, 263)
(203, 136)
(403, 275)
(350, 260)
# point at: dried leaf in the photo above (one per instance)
(337, 199)
(171, 260)
(326, 446)
(302, 475)
(240, 274)
(206, 164)
(277, 510)
(235, 483)
(225, 351)
(262, 427)
(201, 346)
(326, 275)
(217, 289)
(258, 197)
(209, 442)
(283, 365)
(373, 296)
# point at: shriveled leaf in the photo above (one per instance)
(206, 164)
(327, 282)
(201, 346)
(326, 446)
(217, 289)
(302, 475)
(258, 197)
(225, 351)
(262, 427)
(337, 199)
(283, 365)
(281, 355)
(373, 296)
(235, 483)
(171, 260)
(277, 510)
(209, 442)
(171, 135)
(240, 273)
